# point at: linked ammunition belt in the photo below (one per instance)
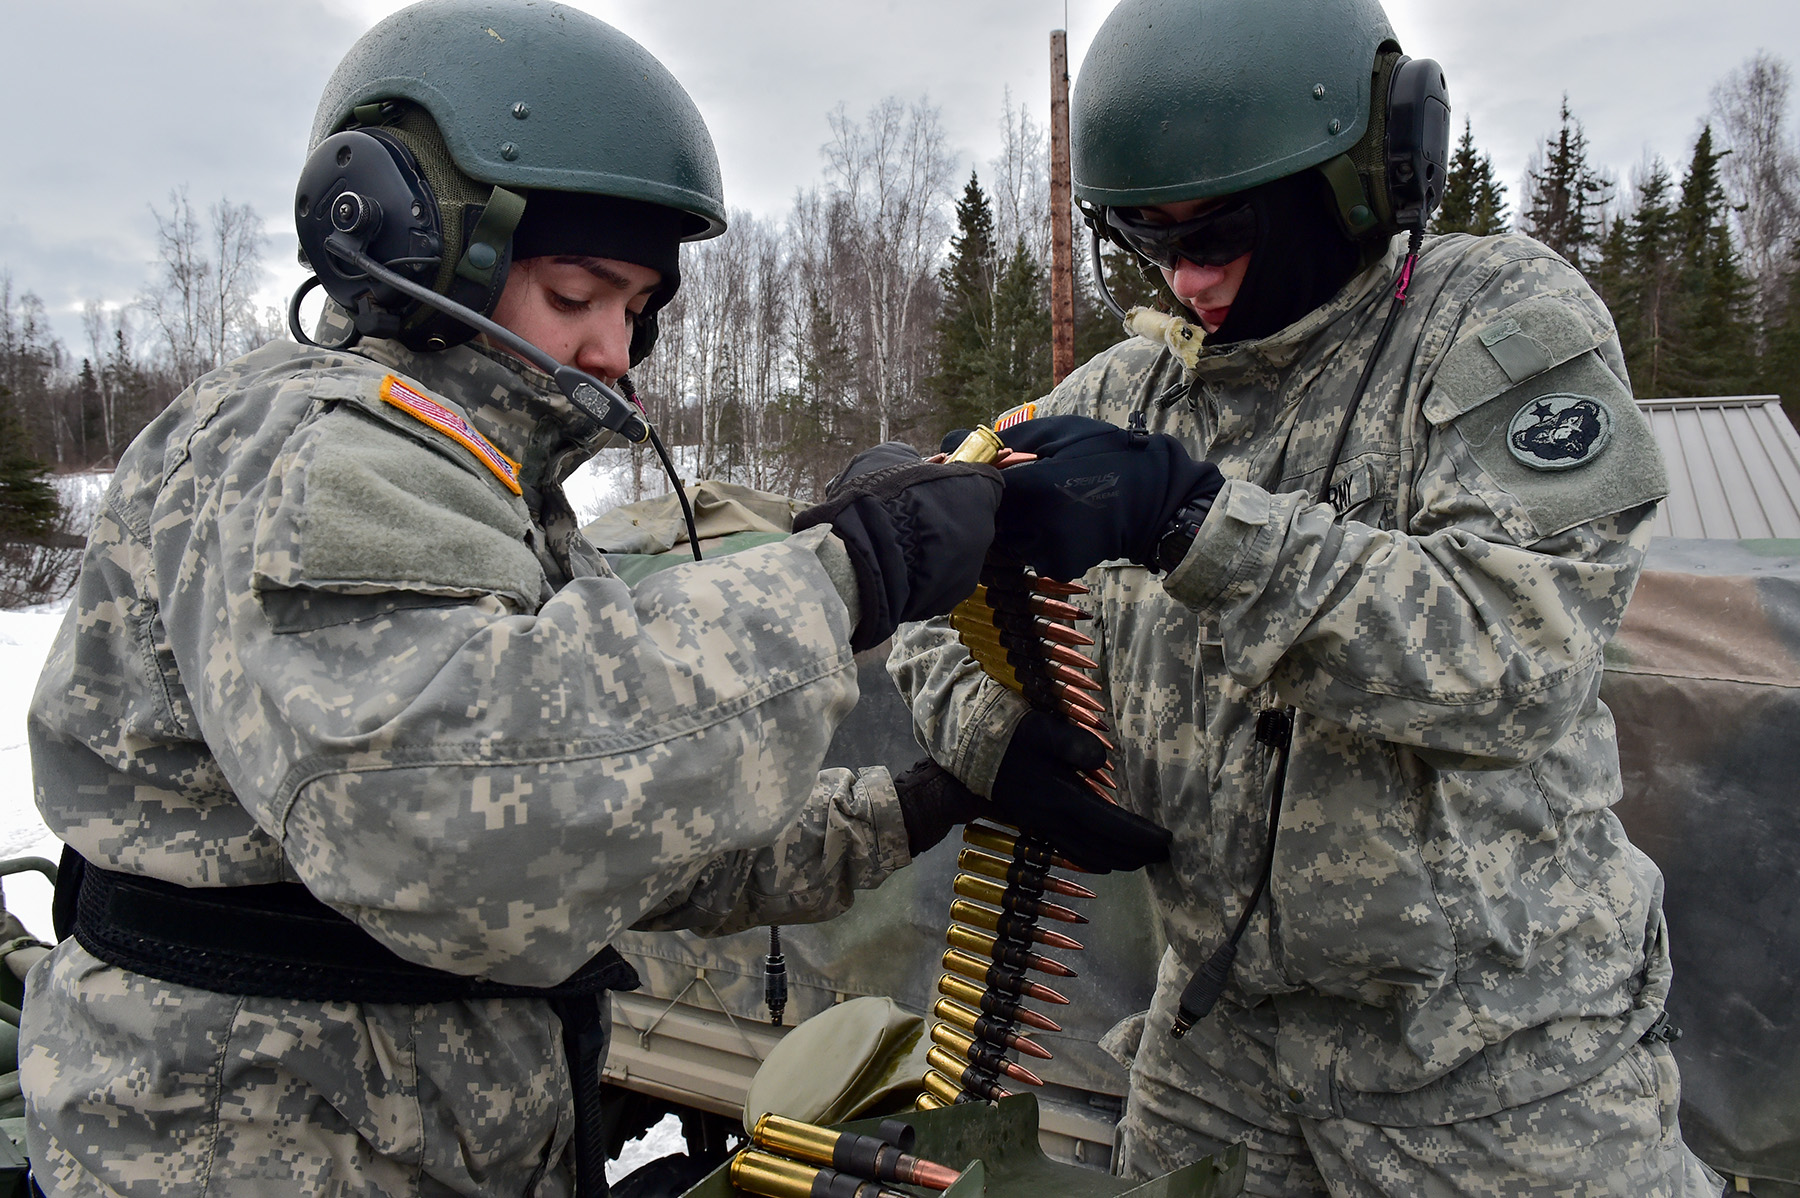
(278, 941)
(1021, 630)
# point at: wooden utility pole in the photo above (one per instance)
(1062, 256)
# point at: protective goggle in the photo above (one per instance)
(1213, 238)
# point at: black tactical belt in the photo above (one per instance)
(278, 941)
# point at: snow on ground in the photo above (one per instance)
(25, 637)
(24, 642)
(658, 1142)
(605, 482)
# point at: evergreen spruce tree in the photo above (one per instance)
(1566, 198)
(1610, 277)
(1780, 364)
(1716, 353)
(29, 505)
(962, 386)
(1646, 299)
(1019, 359)
(818, 418)
(1474, 200)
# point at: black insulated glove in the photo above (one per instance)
(916, 531)
(1039, 792)
(1096, 493)
(932, 802)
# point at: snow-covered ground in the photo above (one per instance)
(24, 641)
(658, 1142)
(605, 483)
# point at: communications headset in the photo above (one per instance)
(372, 232)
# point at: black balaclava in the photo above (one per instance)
(1301, 259)
(576, 224)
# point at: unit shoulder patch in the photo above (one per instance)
(1557, 450)
(1560, 431)
(402, 395)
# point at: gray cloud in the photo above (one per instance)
(114, 102)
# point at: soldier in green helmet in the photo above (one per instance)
(361, 751)
(1359, 513)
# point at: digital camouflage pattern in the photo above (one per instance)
(1459, 926)
(317, 640)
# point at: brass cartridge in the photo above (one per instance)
(996, 1005)
(985, 890)
(1009, 953)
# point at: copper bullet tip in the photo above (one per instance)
(933, 1176)
(1068, 677)
(1079, 700)
(1056, 609)
(1062, 634)
(1066, 655)
(1060, 913)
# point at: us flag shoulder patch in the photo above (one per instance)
(1018, 415)
(429, 411)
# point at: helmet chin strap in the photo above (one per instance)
(590, 396)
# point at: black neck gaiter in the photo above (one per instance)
(1302, 259)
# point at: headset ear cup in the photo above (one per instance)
(400, 223)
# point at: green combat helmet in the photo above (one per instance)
(1191, 99)
(484, 102)
(1187, 99)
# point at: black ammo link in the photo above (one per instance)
(1016, 901)
(278, 941)
(1028, 879)
(986, 1057)
(1010, 983)
(1011, 953)
(992, 1028)
(1002, 1007)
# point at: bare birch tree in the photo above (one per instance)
(892, 174)
(1020, 179)
(1762, 174)
(200, 301)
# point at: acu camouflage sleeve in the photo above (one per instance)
(498, 793)
(1475, 634)
(849, 838)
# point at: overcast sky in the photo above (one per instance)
(116, 102)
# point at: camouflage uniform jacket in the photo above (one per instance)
(322, 638)
(1458, 923)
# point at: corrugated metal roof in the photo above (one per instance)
(1734, 467)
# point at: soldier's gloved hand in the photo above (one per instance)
(1097, 492)
(917, 532)
(1038, 791)
(932, 802)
